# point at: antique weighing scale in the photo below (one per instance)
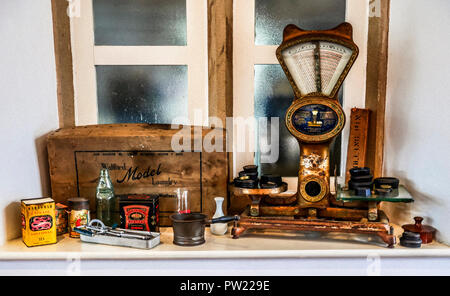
(316, 64)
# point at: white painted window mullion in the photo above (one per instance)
(357, 14)
(82, 39)
(197, 49)
(141, 55)
(243, 76)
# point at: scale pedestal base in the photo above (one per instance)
(381, 229)
(277, 209)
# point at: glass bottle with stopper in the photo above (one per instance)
(105, 199)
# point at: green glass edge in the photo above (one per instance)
(346, 196)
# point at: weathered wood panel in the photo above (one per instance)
(141, 160)
(220, 58)
(220, 63)
(63, 61)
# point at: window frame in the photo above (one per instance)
(86, 55)
(246, 55)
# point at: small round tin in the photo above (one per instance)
(79, 214)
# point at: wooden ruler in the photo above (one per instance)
(357, 142)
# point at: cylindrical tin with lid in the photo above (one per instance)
(61, 218)
(78, 215)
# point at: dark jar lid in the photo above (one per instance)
(426, 232)
(78, 203)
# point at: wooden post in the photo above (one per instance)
(63, 60)
(220, 58)
(377, 59)
(220, 64)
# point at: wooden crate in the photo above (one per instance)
(140, 159)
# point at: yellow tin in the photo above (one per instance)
(38, 221)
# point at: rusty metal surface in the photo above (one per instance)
(244, 192)
(377, 228)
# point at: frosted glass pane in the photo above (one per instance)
(140, 22)
(271, 16)
(273, 96)
(135, 94)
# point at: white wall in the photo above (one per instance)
(418, 109)
(28, 105)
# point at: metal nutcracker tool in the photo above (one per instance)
(97, 232)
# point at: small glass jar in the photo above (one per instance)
(183, 205)
(78, 214)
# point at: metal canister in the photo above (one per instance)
(79, 214)
(61, 218)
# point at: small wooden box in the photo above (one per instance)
(140, 160)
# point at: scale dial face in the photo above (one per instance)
(315, 120)
(317, 66)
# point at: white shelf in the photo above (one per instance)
(286, 245)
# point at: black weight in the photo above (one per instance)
(366, 178)
(269, 185)
(388, 181)
(271, 178)
(250, 175)
(248, 183)
(352, 184)
(383, 191)
(409, 243)
(251, 168)
(410, 240)
(411, 235)
(360, 171)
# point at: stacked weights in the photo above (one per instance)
(361, 181)
(248, 178)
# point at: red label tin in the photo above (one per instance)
(139, 212)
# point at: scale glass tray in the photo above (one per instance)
(397, 195)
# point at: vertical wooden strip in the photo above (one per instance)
(220, 64)
(220, 58)
(63, 59)
(377, 59)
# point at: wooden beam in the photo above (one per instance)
(63, 59)
(377, 59)
(220, 63)
(220, 58)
